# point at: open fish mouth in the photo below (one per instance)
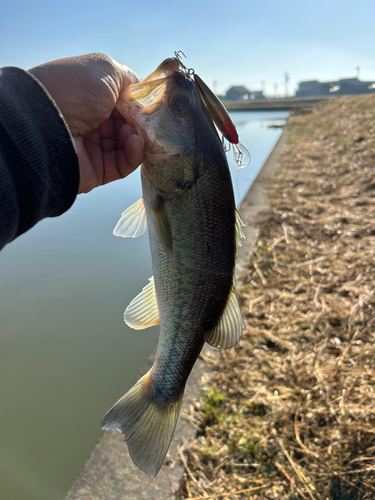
(149, 94)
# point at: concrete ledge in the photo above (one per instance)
(109, 473)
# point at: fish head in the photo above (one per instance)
(166, 110)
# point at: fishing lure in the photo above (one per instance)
(220, 116)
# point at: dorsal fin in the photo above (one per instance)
(133, 221)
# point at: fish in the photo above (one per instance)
(194, 230)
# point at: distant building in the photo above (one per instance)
(240, 93)
(340, 87)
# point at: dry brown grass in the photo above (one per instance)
(290, 411)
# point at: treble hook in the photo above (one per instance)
(189, 71)
(224, 145)
(177, 54)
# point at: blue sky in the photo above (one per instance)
(232, 42)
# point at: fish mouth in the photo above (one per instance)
(149, 94)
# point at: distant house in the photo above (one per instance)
(340, 87)
(240, 93)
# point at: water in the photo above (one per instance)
(65, 353)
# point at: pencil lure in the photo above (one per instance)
(223, 122)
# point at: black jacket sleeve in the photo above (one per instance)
(39, 174)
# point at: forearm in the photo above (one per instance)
(39, 174)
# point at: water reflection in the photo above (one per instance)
(254, 133)
(65, 353)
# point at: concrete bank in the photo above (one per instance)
(281, 104)
(109, 473)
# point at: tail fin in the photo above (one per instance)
(147, 424)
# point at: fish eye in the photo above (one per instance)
(180, 104)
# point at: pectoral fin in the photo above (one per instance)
(161, 223)
(133, 221)
(229, 329)
(142, 311)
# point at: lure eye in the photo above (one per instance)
(180, 104)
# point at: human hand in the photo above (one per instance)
(86, 89)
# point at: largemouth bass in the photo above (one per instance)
(194, 230)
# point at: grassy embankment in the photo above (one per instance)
(290, 411)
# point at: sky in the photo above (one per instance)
(252, 43)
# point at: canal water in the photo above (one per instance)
(65, 353)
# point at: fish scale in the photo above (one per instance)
(189, 278)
